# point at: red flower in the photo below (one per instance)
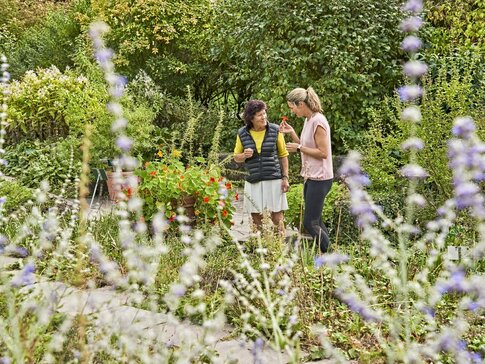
(224, 213)
(153, 173)
(213, 179)
(228, 185)
(284, 118)
(236, 197)
(206, 199)
(172, 218)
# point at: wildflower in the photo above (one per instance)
(414, 171)
(411, 24)
(224, 213)
(413, 144)
(236, 197)
(119, 124)
(331, 260)
(415, 69)
(411, 43)
(206, 199)
(411, 113)
(463, 127)
(284, 118)
(410, 93)
(413, 6)
(124, 143)
(160, 153)
(176, 153)
(228, 185)
(25, 276)
(212, 180)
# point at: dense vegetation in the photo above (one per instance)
(189, 66)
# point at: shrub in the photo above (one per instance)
(31, 162)
(15, 195)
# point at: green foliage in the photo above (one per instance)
(49, 41)
(346, 50)
(165, 38)
(31, 162)
(172, 114)
(456, 24)
(16, 195)
(49, 104)
(451, 94)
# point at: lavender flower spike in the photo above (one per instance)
(412, 144)
(124, 143)
(410, 92)
(463, 127)
(415, 69)
(411, 43)
(331, 260)
(411, 113)
(414, 171)
(411, 24)
(413, 6)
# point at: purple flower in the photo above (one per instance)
(414, 171)
(415, 69)
(331, 260)
(5, 360)
(2, 200)
(412, 114)
(410, 92)
(178, 290)
(411, 24)
(463, 127)
(413, 6)
(25, 276)
(104, 55)
(124, 143)
(412, 144)
(411, 43)
(429, 311)
(465, 195)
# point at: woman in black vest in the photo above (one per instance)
(261, 147)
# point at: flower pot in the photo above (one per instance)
(115, 188)
(188, 203)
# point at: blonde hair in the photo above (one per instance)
(308, 96)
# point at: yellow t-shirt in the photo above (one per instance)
(258, 137)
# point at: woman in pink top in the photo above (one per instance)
(316, 159)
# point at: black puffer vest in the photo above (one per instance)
(264, 166)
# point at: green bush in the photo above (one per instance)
(15, 194)
(31, 162)
(49, 40)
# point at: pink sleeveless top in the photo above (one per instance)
(313, 168)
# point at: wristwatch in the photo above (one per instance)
(298, 148)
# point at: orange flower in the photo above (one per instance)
(224, 213)
(153, 173)
(182, 177)
(284, 118)
(206, 199)
(228, 185)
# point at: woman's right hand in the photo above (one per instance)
(286, 128)
(248, 153)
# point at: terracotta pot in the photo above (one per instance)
(114, 189)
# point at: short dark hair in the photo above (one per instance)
(252, 107)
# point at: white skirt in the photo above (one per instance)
(264, 195)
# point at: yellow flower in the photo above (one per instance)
(160, 154)
(176, 153)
